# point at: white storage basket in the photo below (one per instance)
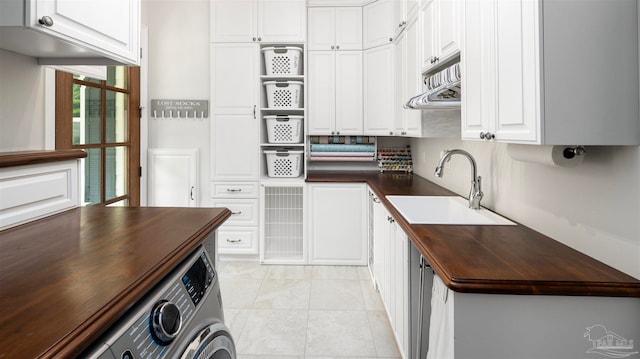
(283, 60)
(284, 94)
(284, 163)
(284, 128)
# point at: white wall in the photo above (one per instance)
(594, 208)
(21, 103)
(178, 59)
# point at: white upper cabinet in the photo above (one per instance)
(338, 28)
(379, 96)
(258, 20)
(530, 78)
(72, 32)
(380, 23)
(408, 82)
(441, 25)
(335, 92)
(335, 73)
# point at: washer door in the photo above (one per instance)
(212, 342)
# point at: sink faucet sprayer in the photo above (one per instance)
(475, 195)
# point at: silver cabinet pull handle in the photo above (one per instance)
(234, 189)
(234, 240)
(191, 193)
(46, 21)
(239, 212)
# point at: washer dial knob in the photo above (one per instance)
(165, 322)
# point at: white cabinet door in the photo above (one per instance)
(401, 290)
(407, 122)
(441, 22)
(337, 224)
(501, 82)
(282, 20)
(335, 92)
(35, 191)
(478, 66)
(380, 232)
(173, 177)
(348, 92)
(235, 147)
(518, 72)
(258, 20)
(70, 32)
(233, 20)
(348, 28)
(412, 81)
(427, 22)
(449, 21)
(378, 22)
(234, 78)
(234, 124)
(337, 28)
(399, 58)
(378, 91)
(321, 28)
(321, 89)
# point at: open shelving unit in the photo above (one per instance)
(280, 73)
(282, 197)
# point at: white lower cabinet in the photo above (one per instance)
(239, 234)
(35, 191)
(337, 224)
(238, 240)
(400, 269)
(282, 227)
(391, 272)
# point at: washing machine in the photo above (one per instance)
(182, 317)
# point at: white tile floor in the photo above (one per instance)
(313, 312)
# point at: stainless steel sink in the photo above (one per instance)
(444, 210)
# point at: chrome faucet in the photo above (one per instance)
(475, 194)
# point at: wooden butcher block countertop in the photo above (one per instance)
(66, 278)
(493, 259)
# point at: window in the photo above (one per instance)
(102, 118)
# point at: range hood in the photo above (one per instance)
(443, 91)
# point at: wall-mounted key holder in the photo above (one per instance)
(175, 109)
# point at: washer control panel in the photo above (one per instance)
(148, 330)
(198, 279)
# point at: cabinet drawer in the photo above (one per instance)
(244, 211)
(234, 240)
(35, 191)
(234, 190)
